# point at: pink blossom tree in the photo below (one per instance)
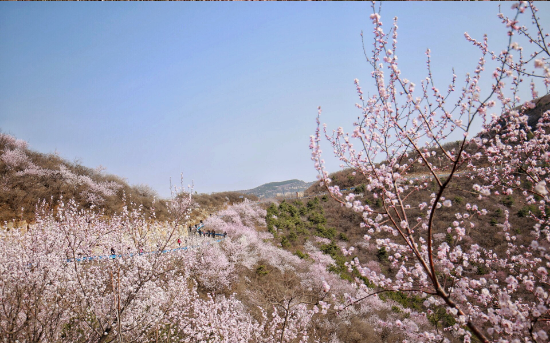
(402, 130)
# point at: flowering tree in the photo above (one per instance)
(398, 146)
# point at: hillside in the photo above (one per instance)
(27, 177)
(274, 189)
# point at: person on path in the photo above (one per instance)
(113, 251)
(179, 242)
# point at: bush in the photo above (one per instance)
(313, 203)
(284, 242)
(301, 255)
(449, 239)
(317, 218)
(262, 270)
(508, 201)
(292, 236)
(342, 236)
(321, 231)
(441, 317)
(382, 254)
(525, 210)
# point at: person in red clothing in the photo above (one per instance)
(179, 242)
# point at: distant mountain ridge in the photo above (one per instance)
(273, 189)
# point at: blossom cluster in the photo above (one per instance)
(398, 146)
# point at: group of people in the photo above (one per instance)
(197, 229)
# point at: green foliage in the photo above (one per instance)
(321, 231)
(292, 236)
(440, 317)
(498, 212)
(458, 200)
(272, 210)
(449, 239)
(342, 236)
(291, 220)
(330, 249)
(406, 300)
(481, 269)
(316, 218)
(324, 198)
(301, 255)
(313, 203)
(284, 242)
(262, 270)
(298, 203)
(525, 210)
(366, 281)
(288, 209)
(493, 222)
(339, 267)
(395, 309)
(508, 201)
(382, 254)
(360, 188)
(378, 203)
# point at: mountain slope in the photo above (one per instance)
(27, 177)
(273, 189)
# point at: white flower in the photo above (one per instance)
(541, 188)
(447, 203)
(542, 335)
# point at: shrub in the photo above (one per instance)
(317, 218)
(262, 270)
(301, 255)
(342, 236)
(508, 201)
(382, 254)
(321, 231)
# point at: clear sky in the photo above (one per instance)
(225, 93)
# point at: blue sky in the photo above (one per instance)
(225, 93)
